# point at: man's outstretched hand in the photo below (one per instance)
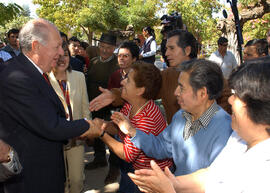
(104, 99)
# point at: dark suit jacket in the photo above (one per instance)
(76, 64)
(34, 123)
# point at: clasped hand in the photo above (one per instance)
(4, 152)
(97, 126)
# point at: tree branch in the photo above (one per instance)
(254, 11)
(88, 33)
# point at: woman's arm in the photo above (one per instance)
(114, 145)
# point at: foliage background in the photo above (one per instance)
(88, 18)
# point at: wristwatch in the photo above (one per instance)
(102, 134)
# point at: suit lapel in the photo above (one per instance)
(56, 86)
(42, 84)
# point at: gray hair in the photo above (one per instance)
(34, 30)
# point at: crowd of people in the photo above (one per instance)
(59, 94)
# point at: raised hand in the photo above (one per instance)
(154, 180)
(105, 98)
(123, 123)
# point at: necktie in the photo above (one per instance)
(46, 78)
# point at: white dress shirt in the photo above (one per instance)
(226, 63)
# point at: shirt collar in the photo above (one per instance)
(148, 39)
(206, 117)
(39, 69)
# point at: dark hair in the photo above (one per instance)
(73, 39)
(84, 45)
(137, 39)
(132, 47)
(150, 31)
(260, 44)
(204, 73)
(185, 39)
(65, 48)
(251, 85)
(148, 76)
(62, 34)
(13, 31)
(222, 40)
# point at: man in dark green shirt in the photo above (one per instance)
(99, 71)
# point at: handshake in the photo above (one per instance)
(98, 127)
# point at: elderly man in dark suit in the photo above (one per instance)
(32, 116)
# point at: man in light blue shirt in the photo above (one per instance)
(5, 55)
(199, 131)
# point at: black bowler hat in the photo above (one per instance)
(108, 39)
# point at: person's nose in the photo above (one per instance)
(61, 59)
(167, 52)
(123, 82)
(177, 91)
(61, 51)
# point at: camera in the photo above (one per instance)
(171, 22)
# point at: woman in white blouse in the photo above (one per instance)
(149, 48)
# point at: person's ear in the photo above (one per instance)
(202, 93)
(188, 50)
(134, 59)
(35, 46)
(140, 91)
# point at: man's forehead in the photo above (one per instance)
(250, 49)
(124, 50)
(74, 42)
(13, 34)
(172, 40)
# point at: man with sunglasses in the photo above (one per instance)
(224, 58)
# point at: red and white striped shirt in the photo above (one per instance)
(148, 120)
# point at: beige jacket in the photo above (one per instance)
(77, 94)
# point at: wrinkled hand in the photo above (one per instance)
(4, 152)
(105, 98)
(96, 128)
(123, 123)
(154, 180)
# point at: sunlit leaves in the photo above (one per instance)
(9, 12)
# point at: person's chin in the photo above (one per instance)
(172, 63)
(123, 96)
